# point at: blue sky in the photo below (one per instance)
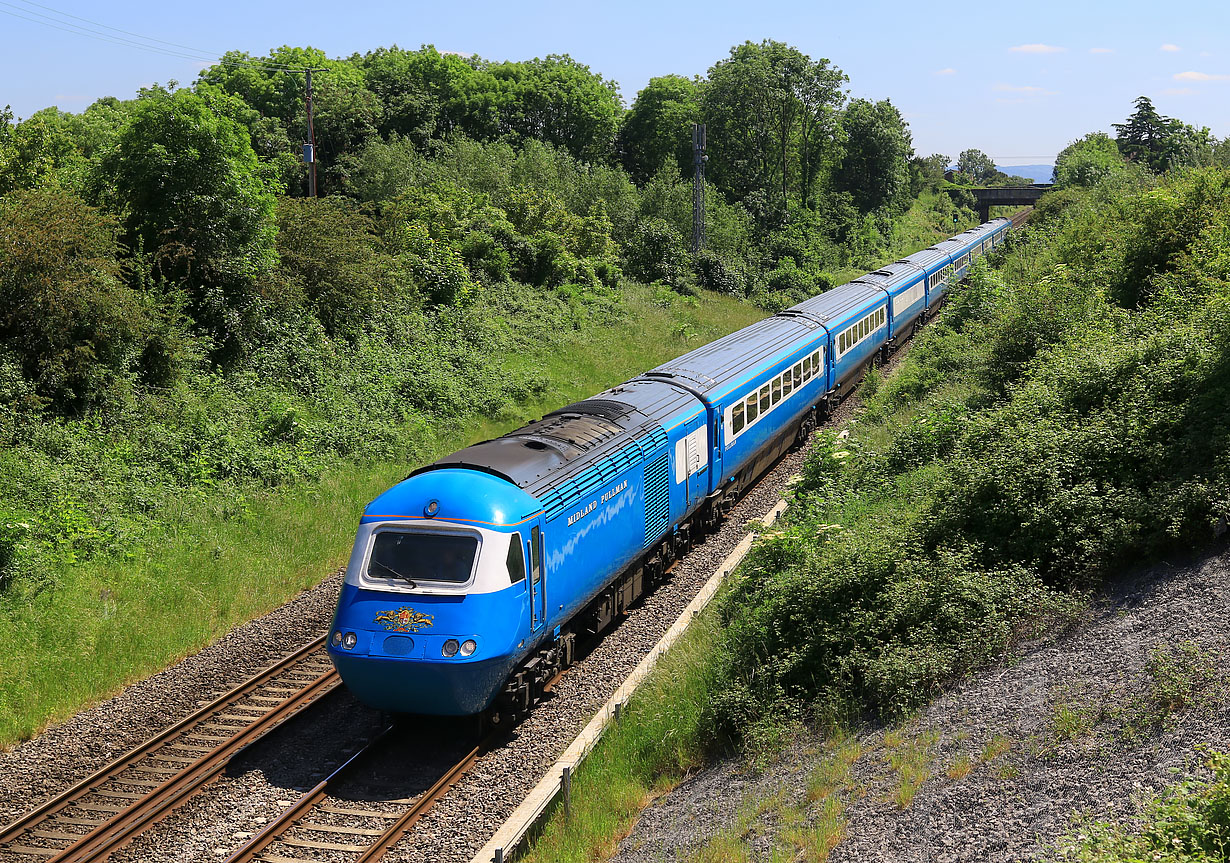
(1018, 81)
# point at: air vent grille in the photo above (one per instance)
(657, 500)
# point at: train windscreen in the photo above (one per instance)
(415, 557)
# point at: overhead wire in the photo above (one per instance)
(187, 52)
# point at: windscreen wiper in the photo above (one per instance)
(407, 579)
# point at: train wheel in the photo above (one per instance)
(806, 428)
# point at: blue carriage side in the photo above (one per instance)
(470, 580)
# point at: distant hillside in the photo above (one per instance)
(1037, 173)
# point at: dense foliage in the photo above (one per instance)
(179, 321)
(1064, 418)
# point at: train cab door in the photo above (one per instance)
(538, 604)
(715, 460)
(692, 461)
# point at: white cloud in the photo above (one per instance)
(1169, 47)
(948, 71)
(1101, 50)
(1036, 48)
(1200, 76)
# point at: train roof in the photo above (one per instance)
(891, 275)
(949, 247)
(838, 305)
(927, 258)
(611, 430)
(735, 356)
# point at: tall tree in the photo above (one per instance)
(657, 129)
(193, 195)
(774, 111)
(978, 165)
(345, 112)
(561, 102)
(426, 94)
(875, 167)
(1144, 136)
(1087, 161)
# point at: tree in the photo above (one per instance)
(426, 94)
(874, 169)
(978, 165)
(561, 102)
(774, 110)
(345, 113)
(329, 256)
(927, 172)
(66, 316)
(37, 150)
(1087, 161)
(657, 129)
(195, 201)
(1143, 137)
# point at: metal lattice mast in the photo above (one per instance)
(698, 186)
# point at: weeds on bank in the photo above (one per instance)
(808, 828)
(1189, 823)
(910, 758)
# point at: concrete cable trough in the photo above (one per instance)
(558, 778)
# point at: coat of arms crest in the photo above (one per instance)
(404, 619)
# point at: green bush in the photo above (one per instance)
(1045, 432)
(330, 256)
(714, 273)
(67, 318)
(656, 254)
(1190, 823)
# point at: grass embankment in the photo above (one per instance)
(1065, 417)
(129, 541)
(218, 559)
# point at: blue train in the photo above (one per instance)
(470, 580)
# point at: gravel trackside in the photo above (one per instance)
(1070, 726)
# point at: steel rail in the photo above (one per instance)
(112, 827)
(376, 849)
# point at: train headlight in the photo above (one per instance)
(349, 640)
(450, 647)
(337, 637)
(467, 647)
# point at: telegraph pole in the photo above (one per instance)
(309, 151)
(698, 186)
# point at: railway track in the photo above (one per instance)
(342, 816)
(345, 815)
(108, 809)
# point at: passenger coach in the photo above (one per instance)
(470, 581)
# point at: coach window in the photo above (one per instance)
(787, 383)
(753, 408)
(798, 374)
(764, 398)
(516, 559)
(777, 390)
(736, 418)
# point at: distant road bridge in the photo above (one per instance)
(1007, 196)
